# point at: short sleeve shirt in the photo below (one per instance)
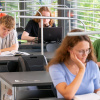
(32, 28)
(96, 45)
(60, 73)
(9, 40)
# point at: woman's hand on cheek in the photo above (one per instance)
(74, 58)
(47, 24)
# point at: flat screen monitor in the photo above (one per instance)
(50, 34)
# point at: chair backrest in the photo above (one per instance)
(19, 31)
(9, 66)
(32, 62)
(12, 66)
(52, 47)
(3, 66)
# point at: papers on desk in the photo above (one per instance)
(13, 53)
(90, 96)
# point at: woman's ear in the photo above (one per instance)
(69, 48)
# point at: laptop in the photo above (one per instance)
(50, 34)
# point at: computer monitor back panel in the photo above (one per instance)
(50, 34)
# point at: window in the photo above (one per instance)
(91, 18)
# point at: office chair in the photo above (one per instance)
(10, 66)
(51, 47)
(3, 66)
(19, 31)
(32, 62)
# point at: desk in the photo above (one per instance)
(52, 99)
(19, 79)
(8, 58)
(48, 55)
(31, 47)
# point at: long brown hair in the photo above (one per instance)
(44, 8)
(70, 41)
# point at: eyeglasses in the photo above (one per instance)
(81, 52)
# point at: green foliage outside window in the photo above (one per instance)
(91, 18)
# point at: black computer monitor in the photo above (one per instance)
(50, 34)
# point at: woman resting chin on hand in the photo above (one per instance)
(74, 66)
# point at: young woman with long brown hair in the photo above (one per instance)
(31, 29)
(74, 67)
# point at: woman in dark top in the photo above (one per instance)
(31, 29)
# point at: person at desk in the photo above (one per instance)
(31, 29)
(74, 66)
(8, 36)
(96, 45)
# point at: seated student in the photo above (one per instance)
(31, 29)
(8, 36)
(96, 45)
(74, 66)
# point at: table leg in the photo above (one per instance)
(3, 90)
(14, 93)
